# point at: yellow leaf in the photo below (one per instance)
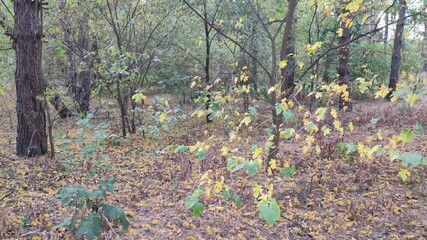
(337, 124)
(273, 164)
(208, 193)
(412, 99)
(283, 64)
(340, 32)
(225, 151)
(351, 127)
(270, 190)
(382, 92)
(353, 6)
(334, 113)
(218, 185)
(257, 191)
(162, 117)
(328, 10)
(246, 120)
(193, 84)
(257, 152)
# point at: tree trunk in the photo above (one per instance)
(397, 48)
(425, 46)
(344, 70)
(207, 61)
(30, 108)
(276, 118)
(287, 52)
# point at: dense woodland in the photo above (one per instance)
(211, 119)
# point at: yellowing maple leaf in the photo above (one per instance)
(382, 92)
(162, 117)
(257, 190)
(412, 99)
(257, 152)
(340, 32)
(283, 64)
(225, 150)
(351, 127)
(353, 6)
(218, 185)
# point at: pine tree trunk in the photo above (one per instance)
(30, 108)
(397, 49)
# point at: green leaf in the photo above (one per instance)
(238, 200)
(90, 226)
(419, 129)
(197, 193)
(411, 158)
(288, 172)
(197, 209)
(253, 168)
(225, 195)
(190, 202)
(270, 212)
(240, 166)
(252, 110)
(231, 163)
(288, 115)
(394, 155)
(201, 154)
(406, 136)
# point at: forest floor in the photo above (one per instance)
(329, 197)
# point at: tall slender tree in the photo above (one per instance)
(344, 68)
(30, 108)
(397, 49)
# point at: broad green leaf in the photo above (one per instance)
(394, 155)
(406, 136)
(90, 226)
(270, 212)
(197, 208)
(225, 194)
(231, 163)
(240, 166)
(201, 154)
(252, 111)
(253, 168)
(411, 158)
(288, 172)
(419, 129)
(190, 201)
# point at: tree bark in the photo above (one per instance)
(207, 61)
(30, 107)
(287, 52)
(425, 47)
(397, 49)
(344, 70)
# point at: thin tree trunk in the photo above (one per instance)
(277, 119)
(30, 107)
(207, 61)
(397, 48)
(425, 46)
(344, 70)
(287, 51)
